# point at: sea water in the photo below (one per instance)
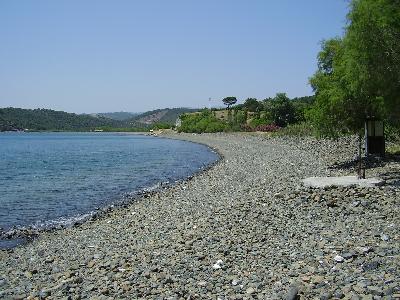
(48, 179)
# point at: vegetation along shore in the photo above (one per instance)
(245, 229)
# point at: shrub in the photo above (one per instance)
(267, 128)
(392, 133)
(302, 129)
(246, 127)
(257, 122)
(205, 121)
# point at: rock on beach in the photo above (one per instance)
(244, 229)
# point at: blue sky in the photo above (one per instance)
(98, 56)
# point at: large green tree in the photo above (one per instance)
(228, 101)
(358, 75)
(251, 104)
(280, 110)
(335, 107)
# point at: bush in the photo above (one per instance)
(302, 129)
(267, 128)
(157, 126)
(205, 121)
(392, 133)
(281, 110)
(246, 127)
(257, 122)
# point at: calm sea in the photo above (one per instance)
(48, 179)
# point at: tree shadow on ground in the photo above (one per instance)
(391, 177)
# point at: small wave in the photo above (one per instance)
(33, 230)
(63, 221)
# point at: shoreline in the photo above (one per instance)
(23, 235)
(243, 229)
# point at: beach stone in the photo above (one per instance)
(91, 264)
(218, 264)
(235, 282)
(364, 250)
(250, 290)
(339, 294)
(338, 258)
(374, 290)
(385, 237)
(317, 279)
(3, 282)
(326, 296)
(292, 294)
(347, 255)
(373, 265)
(202, 283)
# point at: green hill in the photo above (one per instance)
(46, 119)
(166, 116)
(119, 116)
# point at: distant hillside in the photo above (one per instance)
(46, 119)
(119, 116)
(166, 115)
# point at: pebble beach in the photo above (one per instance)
(246, 228)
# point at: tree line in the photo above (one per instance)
(47, 119)
(269, 114)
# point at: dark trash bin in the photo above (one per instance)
(375, 137)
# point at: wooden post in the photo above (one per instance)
(361, 173)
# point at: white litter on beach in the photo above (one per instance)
(218, 264)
